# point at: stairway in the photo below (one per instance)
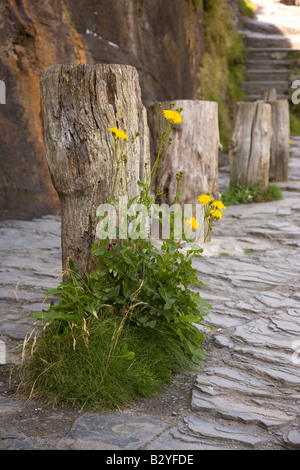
(272, 40)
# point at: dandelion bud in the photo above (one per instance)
(179, 176)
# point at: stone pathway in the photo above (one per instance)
(248, 394)
(273, 42)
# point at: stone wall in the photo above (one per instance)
(163, 39)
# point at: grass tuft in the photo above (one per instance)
(294, 123)
(244, 194)
(105, 365)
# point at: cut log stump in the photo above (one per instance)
(250, 146)
(281, 136)
(80, 103)
(270, 94)
(194, 151)
(280, 146)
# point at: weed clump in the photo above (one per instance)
(102, 366)
(244, 194)
(121, 331)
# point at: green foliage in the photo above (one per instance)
(294, 56)
(294, 108)
(244, 194)
(122, 330)
(294, 121)
(100, 365)
(272, 193)
(148, 287)
(247, 8)
(222, 69)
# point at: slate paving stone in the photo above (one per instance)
(124, 431)
(242, 352)
(277, 300)
(175, 440)
(236, 410)
(222, 433)
(16, 330)
(258, 333)
(248, 394)
(284, 376)
(220, 379)
(293, 439)
(17, 444)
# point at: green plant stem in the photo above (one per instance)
(159, 157)
(114, 184)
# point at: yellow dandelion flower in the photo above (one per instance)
(122, 135)
(119, 134)
(204, 199)
(193, 223)
(290, 142)
(216, 214)
(218, 204)
(173, 116)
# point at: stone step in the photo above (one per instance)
(269, 53)
(235, 409)
(257, 87)
(254, 39)
(267, 75)
(196, 428)
(273, 64)
(258, 26)
(257, 97)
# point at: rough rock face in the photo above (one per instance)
(163, 39)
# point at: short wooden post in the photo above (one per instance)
(279, 159)
(250, 146)
(269, 94)
(80, 103)
(194, 151)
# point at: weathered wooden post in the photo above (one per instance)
(270, 94)
(194, 151)
(250, 146)
(279, 159)
(80, 103)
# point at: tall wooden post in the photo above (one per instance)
(250, 146)
(80, 103)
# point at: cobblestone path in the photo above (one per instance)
(247, 396)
